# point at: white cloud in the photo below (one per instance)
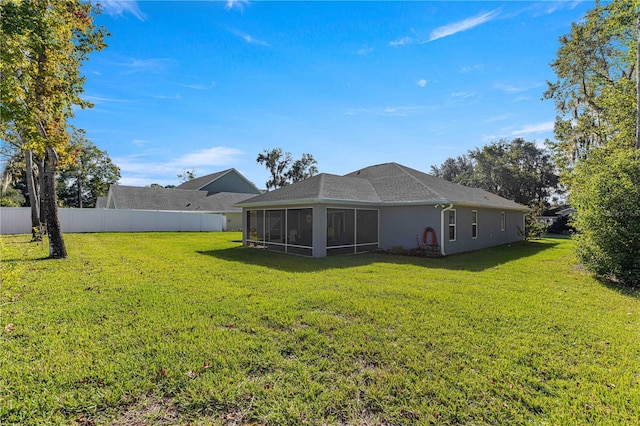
(237, 4)
(172, 97)
(391, 111)
(364, 50)
(469, 68)
(101, 99)
(511, 88)
(498, 118)
(152, 65)
(547, 126)
(119, 7)
(140, 142)
(463, 95)
(139, 170)
(216, 156)
(250, 39)
(198, 86)
(464, 25)
(422, 82)
(401, 42)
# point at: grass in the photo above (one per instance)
(192, 328)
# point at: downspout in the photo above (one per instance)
(443, 239)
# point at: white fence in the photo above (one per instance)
(17, 220)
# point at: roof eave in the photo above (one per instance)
(307, 201)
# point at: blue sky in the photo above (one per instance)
(208, 85)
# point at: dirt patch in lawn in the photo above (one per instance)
(149, 411)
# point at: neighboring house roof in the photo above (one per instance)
(205, 182)
(143, 198)
(383, 184)
(202, 181)
(101, 202)
(557, 211)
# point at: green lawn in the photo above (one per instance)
(192, 328)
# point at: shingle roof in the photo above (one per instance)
(383, 184)
(202, 181)
(322, 187)
(143, 198)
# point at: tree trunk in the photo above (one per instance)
(57, 249)
(39, 189)
(34, 200)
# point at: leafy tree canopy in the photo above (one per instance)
(518, 170)
(595, 92)
(42, 46)
(283, 169)
(87, 176)
(186, 175)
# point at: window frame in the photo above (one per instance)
(503, 221)
(474, 224)
(452, 225)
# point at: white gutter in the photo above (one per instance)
(442, 236)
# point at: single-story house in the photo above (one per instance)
(384, 206)
(213, 193)
(550, 215)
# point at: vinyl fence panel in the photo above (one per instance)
(17, 220)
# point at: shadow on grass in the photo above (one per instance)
(624, 289)
(31, 259)
(473, 261)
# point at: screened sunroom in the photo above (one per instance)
(317, 232)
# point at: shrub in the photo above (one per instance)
(606, 195)
(561, 226)
(533, 228)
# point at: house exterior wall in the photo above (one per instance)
(231, 182)
(234, 221)
(400, 226)
(489, 229)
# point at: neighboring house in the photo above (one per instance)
(549, 216)
(214, 193)
(384, 206)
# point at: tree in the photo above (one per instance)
(596, 90)
(302, 169)
(88, 176)
(42, 46)
(186, 175)
(10, 196)
(458, 170)
(606, 195)
(282, 170)
(597, 97)
(517, 170)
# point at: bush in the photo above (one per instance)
(606, 195)
(561, 226)
(533, 228)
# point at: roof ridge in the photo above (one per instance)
(321, 184)
(428, 188)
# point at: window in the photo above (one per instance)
(474, 223)
(452, 225)
(503, 221)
